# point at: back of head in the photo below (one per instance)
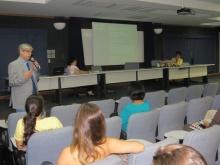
(136, 91)
(177, 154)
(34, 107)
(89, 131)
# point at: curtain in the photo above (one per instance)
(10, 39)
(75, 42)
(148, 44)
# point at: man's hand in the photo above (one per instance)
(28, 74)
(36, 64)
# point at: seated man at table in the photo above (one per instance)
(177, 60)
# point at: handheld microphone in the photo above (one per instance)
(33, 60)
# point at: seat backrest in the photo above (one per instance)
(96, 68)
(194, 91)
(66, 114)
(171, 118)
(154, 63)
(107, 106)
(205, 141)
(210, 89)
(122, 103)
(146, 156)
(110, 160)
(131, 65)
(143, 126)
(156, 99)
(67, 71)
(47, 145)
(197, 109)
(113, 127)
(216, 102)
(176, 95)
(12, 123)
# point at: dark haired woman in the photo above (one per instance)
(138, 105)
(177, 60)
(73, 69)
(72, 66)
(33, 122)
(89, 141)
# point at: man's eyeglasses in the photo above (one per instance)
(28, 51)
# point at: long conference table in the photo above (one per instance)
(101, 79)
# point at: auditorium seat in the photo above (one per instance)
(143, 126)
(193, 92)
(210, 89)
(146, 157)
(66, 114)
(171, 118)
(46, 146)
(113, 127)
(176, 95)
(205, 141)
(216, 102)
(122, 103)
(156, 99)
(197, 109)
(12, 123)
(107, 106)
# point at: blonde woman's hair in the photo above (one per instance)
(89, 132)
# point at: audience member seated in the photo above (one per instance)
(73, 69)
(138, 105)
(177, 60)
(177, 154)
(212, 118)
(33, 122)
(215, 120)
(89, 141)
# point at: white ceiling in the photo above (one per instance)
(156, 11)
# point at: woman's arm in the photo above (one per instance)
(80, 71)
(19, 145)
(120, 146)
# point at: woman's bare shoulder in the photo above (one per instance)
(65, 157)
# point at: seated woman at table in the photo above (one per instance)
(177, 60)
(72, 66)
(33, 122)
(73, 69)
(89, 141)
(137, 92)
(177, 154)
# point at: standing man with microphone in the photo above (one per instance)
(23, 76)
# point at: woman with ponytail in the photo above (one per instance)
(33, 122)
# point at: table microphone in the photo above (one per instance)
(33, 60)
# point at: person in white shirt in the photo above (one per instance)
(73, 69)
